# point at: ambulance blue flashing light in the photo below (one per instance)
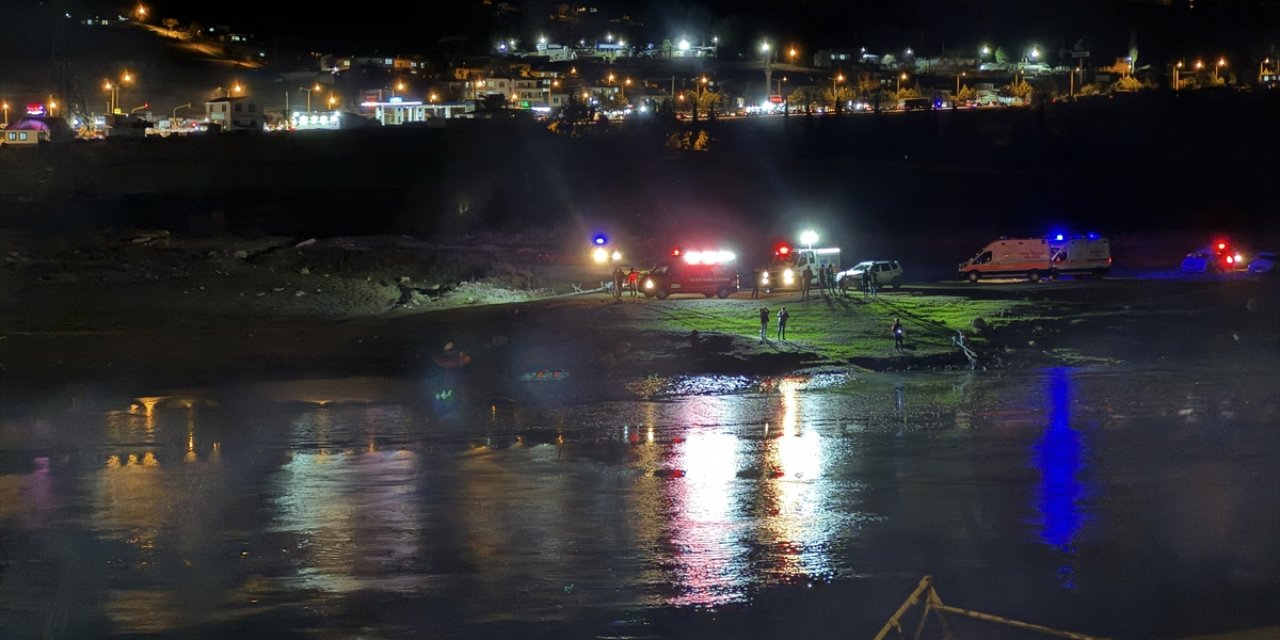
(600, 240)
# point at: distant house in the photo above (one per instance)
(235, 114)
(20, 138)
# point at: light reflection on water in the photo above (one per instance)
(203, 509)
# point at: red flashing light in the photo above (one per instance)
(782, 250)
(1222, 246)
(675, 252)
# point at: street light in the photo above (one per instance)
(958, 76)
(1176, 67)
(140, 12)
(791, 55)
(809, 237)
(175, 110)
(333, 100)
(111, 96)
(986, 51)
(315, 87)
(1262, 68)
(113, 89)
(768, 66)
(1222, 62)
(835, 98)
(901, 77)
(399, 87)
(5, 107)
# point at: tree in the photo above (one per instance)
(907, 93)
(1020, 89)
(967, 94)
(1002, 57)
(842, 95)
(1128, 83)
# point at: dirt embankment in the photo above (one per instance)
(156, 310)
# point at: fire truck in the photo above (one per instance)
(702, 272)
(787, 266)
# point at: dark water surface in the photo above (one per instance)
(1111, 501)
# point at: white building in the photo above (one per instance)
(235, 114)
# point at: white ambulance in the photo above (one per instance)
(1036, 258)
(1080, 256)
(1010, 257)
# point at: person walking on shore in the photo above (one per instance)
(764, 323)
(897, 335)
(782, 323)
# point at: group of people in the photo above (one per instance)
(826, 280)
(783, 316)
(628, 280)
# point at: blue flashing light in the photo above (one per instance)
(600, 240)
(1059, 237)
(1093, 236)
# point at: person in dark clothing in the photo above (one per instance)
(897, 334)
(783, 315)
(755, 284)
(764, 323)
(806, 280)
(618, 278)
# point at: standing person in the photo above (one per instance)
(764, 323)
(782, 323)
(897, 335)
(755, 283)
(866, 283)
(806, 279)
(633, 282)
(875, 282)
(831, 278)
(618, 279)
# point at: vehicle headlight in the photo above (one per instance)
(788, 277)
(648, 283)
(764, 278)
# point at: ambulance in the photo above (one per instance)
(1080, 256)
(1036, 258)
(706, 273)
(1010, 257)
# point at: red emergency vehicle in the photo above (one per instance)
(702, 272)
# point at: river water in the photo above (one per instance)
(1120, 502)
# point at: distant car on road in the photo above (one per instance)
(888, 274)
(1264, 262)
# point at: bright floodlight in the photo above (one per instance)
(808, 237)
(684, 45)
(600, 255)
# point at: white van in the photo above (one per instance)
(1082, 256)
(1010, 257)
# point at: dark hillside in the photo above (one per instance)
(870, 182)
